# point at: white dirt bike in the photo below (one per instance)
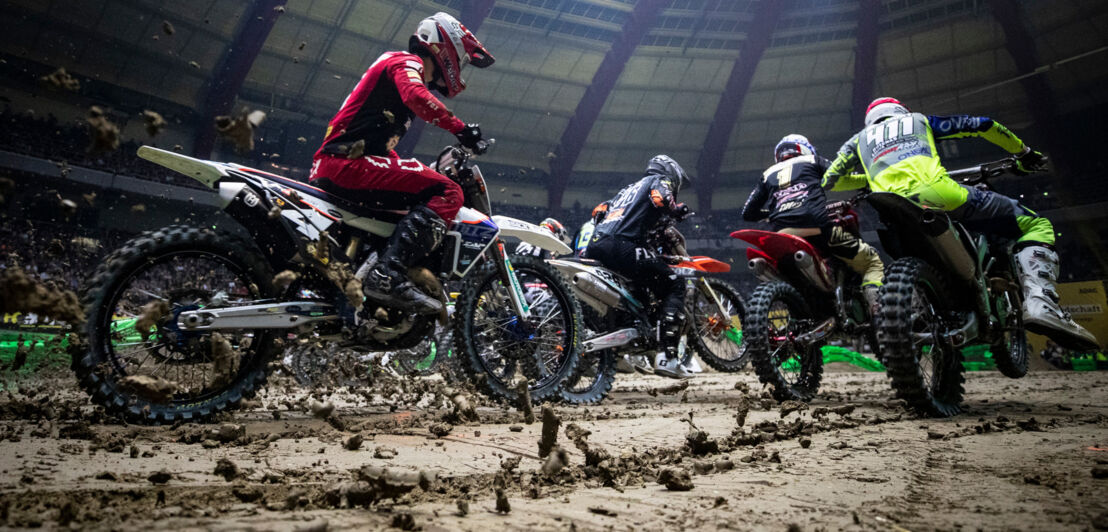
(184, 321)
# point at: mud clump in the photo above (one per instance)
(24, 294)
(283, 280)
(440, 429)
(357, 150)
(322, 409)
(550, 425)
(239, 129)
(385, 483)
(153, 389)
(153, 122)
(463, 411)
(675, 479)
(60, 79)
(224, 361)
(742, 411)
(502, 504)
(556, 461)
(404, 521)
(789, 407)
(160, 477)
(524, 392)
(672, 389)
(226, 469)
(104, 134)
(153, 313)
(353, 442)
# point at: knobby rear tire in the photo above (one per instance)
(938, 395)
(92, 364)
(760, 351)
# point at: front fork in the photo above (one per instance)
(509, 278)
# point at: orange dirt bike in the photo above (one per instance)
(183, 322)
(805, 299)
(621, 320)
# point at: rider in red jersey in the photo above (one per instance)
(371, 121)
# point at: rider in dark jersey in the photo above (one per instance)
(791, 196)
(620, 244)
(357, 159)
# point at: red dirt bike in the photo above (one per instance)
(806, 298)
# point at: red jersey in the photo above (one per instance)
(382, 105)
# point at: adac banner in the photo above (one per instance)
(1087, 304)
(30, 322)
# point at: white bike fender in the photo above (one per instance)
(532, 234)
(207, 172)
(227, 193)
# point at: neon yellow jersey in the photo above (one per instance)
(899, 155)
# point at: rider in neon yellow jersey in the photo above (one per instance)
(897, 154)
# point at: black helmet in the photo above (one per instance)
(665, 166)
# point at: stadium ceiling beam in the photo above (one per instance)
(230, 73)
(1043, 107)
(473, 15)
(731, 101)
(588, 108)
(865, 61)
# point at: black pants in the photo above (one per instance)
(647, 270)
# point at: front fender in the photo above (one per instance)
(532, 234)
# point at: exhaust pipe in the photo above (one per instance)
(763, 270)
(618, 338)
(595, 289)
(807, 266)
(948, 246)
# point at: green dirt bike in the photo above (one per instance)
(947, 289)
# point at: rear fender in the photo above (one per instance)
(531, 234)
(928, 234)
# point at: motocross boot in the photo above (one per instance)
(667, 363)
(871, 295)
(416, 236)
(1038, 271)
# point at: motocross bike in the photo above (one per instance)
(621, 322)
(805, 299)
(184, 321)
(947, 289)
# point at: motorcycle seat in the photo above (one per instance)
(354, 201)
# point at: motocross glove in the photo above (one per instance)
(470, 137)
(682, 211)
(1030, 161)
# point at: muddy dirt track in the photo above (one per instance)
(1029, 454)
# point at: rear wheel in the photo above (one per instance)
(718, 337)
(139, 363)
(777, 315)
(925, 369)
(493, 341)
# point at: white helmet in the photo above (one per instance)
(793, 146)
(883, 108)
(452, 47)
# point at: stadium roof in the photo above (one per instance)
(941, 56)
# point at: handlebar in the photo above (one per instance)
(981, 174)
